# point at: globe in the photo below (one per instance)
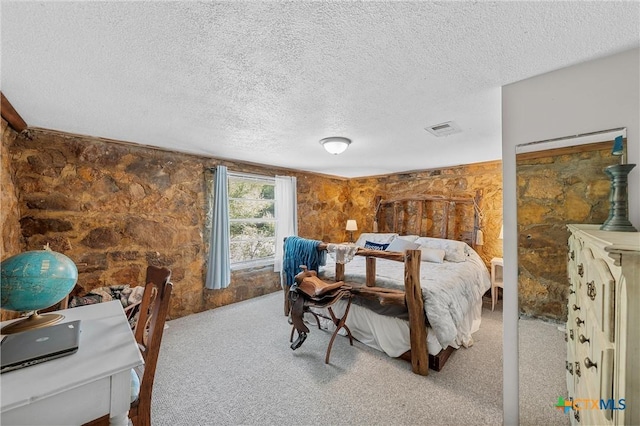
(35, 280)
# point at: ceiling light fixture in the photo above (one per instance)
(335, 144)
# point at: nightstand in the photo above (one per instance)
(497, 265)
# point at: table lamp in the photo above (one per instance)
(351, 226)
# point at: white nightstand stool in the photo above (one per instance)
(497, 266)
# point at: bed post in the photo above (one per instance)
(370, 277)
(477, 225)
(415, 305)
(339, 272)
(421, 206)
(395, 217)
(377, 201)
(445, 220)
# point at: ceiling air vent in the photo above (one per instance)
(443, 129)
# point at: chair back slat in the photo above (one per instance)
(148, 333)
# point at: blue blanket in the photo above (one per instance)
(300, 251)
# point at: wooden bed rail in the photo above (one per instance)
(371, 256)
(412, 297)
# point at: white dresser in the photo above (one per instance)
(603, 326)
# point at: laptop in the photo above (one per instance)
(39, 345)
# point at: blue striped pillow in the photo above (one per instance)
(375, 246)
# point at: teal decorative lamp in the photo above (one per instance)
(618, 219)
(35, 280)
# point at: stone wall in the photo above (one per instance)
(461, 180)
(323, 207)
(9, 211)
(555, 190)
(115, 208)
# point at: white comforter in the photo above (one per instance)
(452, 293)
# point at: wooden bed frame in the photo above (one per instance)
(395, 215)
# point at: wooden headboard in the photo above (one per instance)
(455, 218)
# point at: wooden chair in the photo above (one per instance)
(131, 310)
(148, 334)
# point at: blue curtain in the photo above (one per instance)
(219, 269)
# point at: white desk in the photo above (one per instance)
(75, 389)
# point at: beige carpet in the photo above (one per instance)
(542, 372)
(233, 365)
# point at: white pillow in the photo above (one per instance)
(410, 238)
(432, 255)
(401, 245)
(382, 238)
(455, 251)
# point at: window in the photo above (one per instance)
(252, 220)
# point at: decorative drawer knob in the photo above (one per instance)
(588, 363)
(572, 255)
(577, 370)
(571, 334)
(576, 307)
(572, 291)
(583, 339)
(579, 321)
(591, 290)
(580, 270)
(569, 366)
(576, 415)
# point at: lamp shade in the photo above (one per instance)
(335, 144)
(352, 225)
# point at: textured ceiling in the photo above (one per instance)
(265, 81)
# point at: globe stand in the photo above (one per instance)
(35, 320)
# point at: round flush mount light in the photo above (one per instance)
(335, 144)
